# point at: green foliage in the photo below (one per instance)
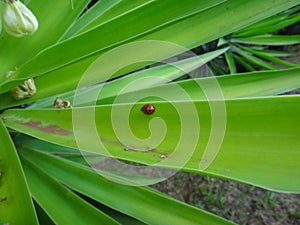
(15, 203)
(232, 126)
(251, 47)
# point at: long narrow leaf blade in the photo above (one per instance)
(252, 84)
(265, 55)
(102, 12)
(16, 51)
(230, 62)
(142, 79)
(62, 206)
(243, 63)
(271, 24)
(273, 40)
(102, 39)
(260, 145)
(253, 59)
(16, 206)
(142, 203)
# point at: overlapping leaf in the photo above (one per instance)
(53, 22)
(62, 206)
(146, 205)
(103, 38)
(253, 149)
(15, 203)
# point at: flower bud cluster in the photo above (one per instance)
(24, 90)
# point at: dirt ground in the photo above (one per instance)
(241, 203)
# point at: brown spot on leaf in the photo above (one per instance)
(129, 149)
(112, 142)
(51, 129)
(3, 199)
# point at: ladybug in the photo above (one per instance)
(148, 109)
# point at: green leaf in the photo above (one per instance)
(249, 57)
(141, 203)
(15, 202)
(230, 62)
(251, 84)
(1, 13)
(255, 149)
(264, 54)
(16, 51)
(143, 79)
(243, 63)
(118, 216)
(101, 12)
(101, 39)
(104, 36)
(68, 153)
(272, 40)
(273, 52)
(272, 24)
(62, 206)
(42, 215)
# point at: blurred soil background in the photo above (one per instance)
(241, 203)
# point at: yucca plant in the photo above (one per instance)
(251, 47)
(261, 46)
(76, 96)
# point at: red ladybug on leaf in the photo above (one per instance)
(148, 109)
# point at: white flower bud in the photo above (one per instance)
(18, 20)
